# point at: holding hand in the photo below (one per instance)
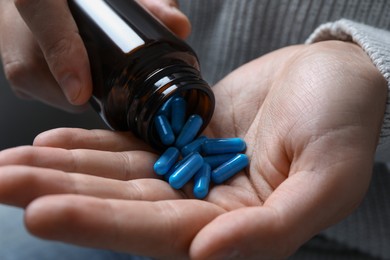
(43, 55)
(311, 117)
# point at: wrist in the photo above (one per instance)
(374, 42)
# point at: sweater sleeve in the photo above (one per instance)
(375, 42)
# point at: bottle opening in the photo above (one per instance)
(163, 85)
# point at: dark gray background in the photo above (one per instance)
(21, 120)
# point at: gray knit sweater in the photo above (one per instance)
(229, 33)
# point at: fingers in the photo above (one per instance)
(47, 61)
(19, 185)
(157, 229)
(77, 138)
(168, 13)
(61, 45)
(303, 205)
(121, 166)
(246, 233)
(24, 65)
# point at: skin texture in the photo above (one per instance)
(311, 117)
(47, 61)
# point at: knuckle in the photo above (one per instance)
(59, 50)
(59, 46)
(126, 160)
(17, 74)
(56, 49)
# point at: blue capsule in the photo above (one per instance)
(164, 130)
(189, 131)
(175, 166)
(229, 168)
(170, 172)
(221, 159)
(166, 108)
(178, 114)
(223, 145)
(217, 160)
(202, 181)
(166, 161)
(186, 171)
(194, 146)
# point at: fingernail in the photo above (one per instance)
(71, 86)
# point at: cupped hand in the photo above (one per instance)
(43, 55)
(311, 117)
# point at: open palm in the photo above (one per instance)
(311, 117)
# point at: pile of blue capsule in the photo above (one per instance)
(188, 157)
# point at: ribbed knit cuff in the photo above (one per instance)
(375, 42)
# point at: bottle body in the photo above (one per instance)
(137, 65)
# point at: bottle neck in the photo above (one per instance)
(157, 88)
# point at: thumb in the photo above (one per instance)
(298, 209)
(245, 233)
(57, 35)
(168, 13)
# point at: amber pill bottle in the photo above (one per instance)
(137, 64)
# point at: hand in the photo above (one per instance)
(311, 117)
(43, 55)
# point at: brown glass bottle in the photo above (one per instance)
(137, 64)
